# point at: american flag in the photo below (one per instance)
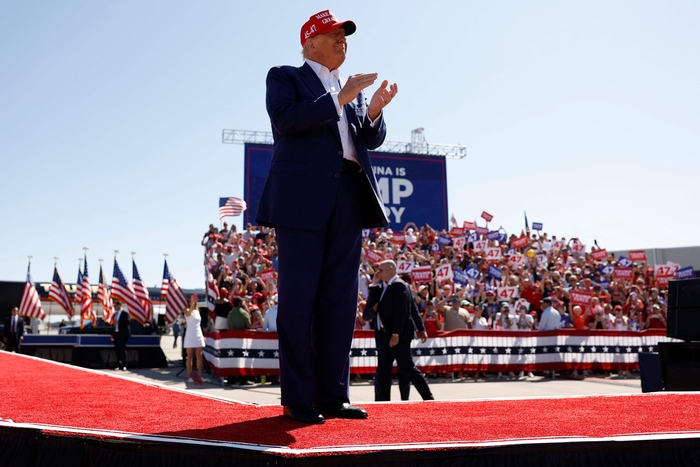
(231, 207)
(142, 291)
(31, 304)
(105, 299)
(122, 290)
(78, 287)
(59, 294)
(166, 281)
(175, 300)
(86, 311)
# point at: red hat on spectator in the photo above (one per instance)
(491, 293)
(223, 292)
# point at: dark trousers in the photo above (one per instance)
(12, 344)
(404, 381)
(317, 287)
(385, 361)
(120, 349)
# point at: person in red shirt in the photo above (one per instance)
(533, 294)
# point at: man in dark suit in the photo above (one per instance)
(370, 314)
(319, 194)
(121, 332)
(14, 331)
(395, 325)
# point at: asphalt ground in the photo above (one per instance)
(362, 390)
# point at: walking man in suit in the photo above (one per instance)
(395, 332)
(121, 332)
(319, 194)
(370, 314)
(14, 331)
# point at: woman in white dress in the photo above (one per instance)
(194, 339)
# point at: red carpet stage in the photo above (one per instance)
(55, 414)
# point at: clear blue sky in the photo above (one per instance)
(585, 114)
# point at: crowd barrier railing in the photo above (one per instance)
(254, 353)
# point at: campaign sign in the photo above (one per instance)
(558, 245)
(472, 272)
(460, 277)
(511, 252)
(537, 226)
(665, 270)
(435, 248)
(404, 267)
(373, 256)
(486, 216)
(520, 242)
(473, 237)
(469, 225)
(663, 281)
(607, 270)
(493, 254)
(413, 187)
(457, 231)
(638, 255)
(366, 232)
(421, 275)
(507, 293)
(482, 230)
(398, 238)
(493, 235)
(600, 254)
(444, 241)
(267, 275)
(578, 248)
(480, 245)
(443, 273)
(515, 259)
(622, 273)
(624, 262)
(495, 272)
(685, 273)
(502, 238)
(459, 243)
(579, 297)
(604, 284)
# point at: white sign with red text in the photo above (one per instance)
(444, 273)
(599, 254)
(507, 293)
(480, 245)
(459, 243)
(404, 267)
(493, 254)
(579, 297)
(486, 216)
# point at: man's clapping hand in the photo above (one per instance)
(381, 98)
(354, 85)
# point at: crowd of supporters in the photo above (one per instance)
(474, 282)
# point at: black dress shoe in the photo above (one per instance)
(304, 414)
(344, 410)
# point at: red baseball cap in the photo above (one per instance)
(323, 22)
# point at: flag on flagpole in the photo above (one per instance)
(142, 291)
(231, 207)
(78, 287)
(166, 281)
(527, 226)
(122, 290)
(31, 304)
(175, 301)
(105, 299)
(59, 294)
(86, 311)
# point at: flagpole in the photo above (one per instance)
(77, 287)
(89, 289)
(99, 287)
(48, 323)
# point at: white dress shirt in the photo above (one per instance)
(333, 83)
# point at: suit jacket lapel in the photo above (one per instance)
(314, 84)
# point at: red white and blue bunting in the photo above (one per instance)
(232, 353)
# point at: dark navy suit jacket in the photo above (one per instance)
(307, 156)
